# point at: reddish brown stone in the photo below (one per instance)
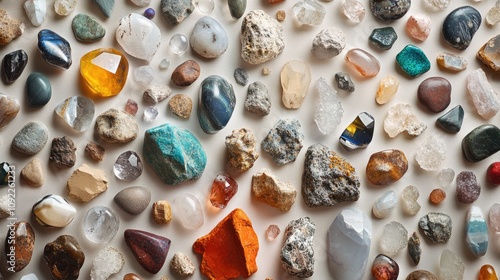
(19, 245)
(186, 73)
(95, 151)
(64, 257)
(63, 152)
(131, 276)
(435, 94)
(386, 167)
(149, 249)
(437, 196)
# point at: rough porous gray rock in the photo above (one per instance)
(241, 147)
(328, 179)
(269, 189)
(284, 141)
(437, 227)
(63, 152)
(258, 100)
(262, 37)
(176, 11)
(297, 253)
(329, 43)
(31, 138)
(116, 126)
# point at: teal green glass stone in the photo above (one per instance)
(413, 61)
(482, 142)
(383, 37)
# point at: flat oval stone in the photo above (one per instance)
(489, 54)
(13, 65)
(87, 29)
(385, 268)
(21, 243)
(53, 211)
(55, 50)
(149, 249)
(389, 9)
(138, 36)
(116, 126)
(64, 257)
(386, 167)
(237, 8)
(186, 73)
(413, 61)
(482, 142)
(421, 275)
(176, 11)
(39, 90)
(208, 38)
(460, 26)
(435, 93)
(31, 138)
(363, 62)
(476, 232)
(216, 103)
(133, 200)
(452, 120)
(468, 189)
(9, 107)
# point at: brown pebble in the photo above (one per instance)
(181, 105)
(435, 94)
(24, 242)
(64, 257)
(280, 15)
(386, 167)
(421, 275)
(131, 276)
(186, 73)
(32, 173)
(161, 212)
(437, 196)
(63, 152)
(95, 151)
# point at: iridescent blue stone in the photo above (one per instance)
(13, 65)
(55, 50)
(216, 104)
(359, 133)
(413, 61)
(452, 120)
(460, 26)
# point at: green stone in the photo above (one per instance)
(482, 142)
(413, 61)
(383, 38)
(106, 6)
(87, 29)
(237, 8)
(452, 120)
(39, 90)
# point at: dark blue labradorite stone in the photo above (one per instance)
(482, 142)
(452, 120)
(216, 104)
(460, 26)
(54, 49)
(39, 90)
(5, 171)
(13, 65)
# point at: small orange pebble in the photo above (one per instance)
(230, 249)
(131, 276)
(437, 196)
(487, 272)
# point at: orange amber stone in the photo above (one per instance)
(487, 272)
(104, 71)
(131, 276)
(224, 188)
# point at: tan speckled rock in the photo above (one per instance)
(161, 212)
(32, 173)
(181, 105)
(10, 28)
(182, 264)
(269, 189)
(116, 126)
(86, 183)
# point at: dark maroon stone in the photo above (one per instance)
(435, 93)
(149, 249)
(64, 258)
(385, 268)
(468, 189)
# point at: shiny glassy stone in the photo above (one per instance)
(128, 166)
(138, 36)
(476, 231)
(13, 65)
(414, 249)
(224, 188)
(493, 173)
(36, 10)
(493, 15)
(54, 49)
(354, 10)
(272, 232)
(204, 6)
(329, 111)
(106, 6)
(149, 249)
(77, 111)
(435, 93)
(413, 61)
(484, 96)
(178, 44)
(149, 13)
(5, 173)
(432, 153)
(144, 75)
(87, 29)
(187, 208)
(295, 79)
(487, 272)
(452, 120)
(100, 224)
(460, 26)
(216, 104)
(383, 37)
(437, 196)
(64, 7)
(208, 38)
(385, 268)
(488, 54)
(387, 10)
(53, 211)
(387, 89)
(150, 113)
(344, 82)
(38, 89)
(363, 62)
(64, 257)
(482, 142)
(386, 167)
(409, 202)
(359, 133)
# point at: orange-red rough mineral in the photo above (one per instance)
(487, 272)
(230, 249)
(437, 196)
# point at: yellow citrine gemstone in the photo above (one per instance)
(104, 71)
(487, 272)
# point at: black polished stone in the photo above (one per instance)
(388, 10)
(13, 65)
(452, 120)
(482, 142)
(39, 90)
(460, 26)
(383, 38)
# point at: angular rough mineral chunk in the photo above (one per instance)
(181, 105)
(284, 141)
(224, 188)
(409, 201)
(272, 232)
(21, 239)
(493, 15)
(295, 80)
(258, 100)
(476, 231)
(494, 224)
(107, 262)
(387, 10)
(63, 152)
(328, 179)
(483, 95)
(387, 89)
(451, 266)
(437, 227)
(422, 274)
(176, 11)
(328, 43)
(309, 12)
(269, 189)
(86, 183)
(437, 5)
(64, 7)
(10, 28)
(354, 10)
(385, 204)
(418, 26)
(386, 167)
(451, 62)
(384, 267)
(432, 153)
(297, 252)
(77, 111)
(488, 54)
(329, 111)
(241, 146)
(401, 117)
(161, 212)
(468, 188)
(95, 151)
(64, 257)
(394, 238)
(182, 264)
(33, 173)
(116, 126)
(344, 82)
(414, 249)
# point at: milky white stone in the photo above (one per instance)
(328, 43)
(107, 262)
(309, 12)
(64, 7)
(138, 36)
(385, 204)
(418, 26)
(409, 200)
(432, 153)
(209, 39)
(141, 3)
(437, 5)
(493, 15)
(150, 113)
(36, 10)
(483, 95)
(188, 210)
(445, 177)
(402, 118)
(494, 224)
(30, 276)
(451, 266)
(354, 10)
(329, 109)
(394, 238)
(107, 61)
(144, 75)
(204, 6)
(54, 211)
(164, 64)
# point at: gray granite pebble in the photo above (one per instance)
(31, 138)
(241, 76)
(284, 141)
(258, 100)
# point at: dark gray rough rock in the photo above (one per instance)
(284, 141)
(414, 249)
(344, 82)
(258, 100)
(63, 152)
(297, 253)
(241, 76)
(31, 138)
(328, 179)
(176, 11)
(437, 227)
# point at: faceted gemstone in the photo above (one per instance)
(460, 26)
(188, 209)
(31, 138)
(385, 204)
(493, 173)
(437, 196)
(468, 189)
(95, 151)
(489, 54)
(414, 249)
(348, 248)
(329, 111)
(77, 111)
(53, 211)
(128, 166)
(186, 73)
(354, 10)
(149, 13)
(386, 167)
(272, 232)
(452, 120)
(435, 93)
(451, 62)
(36, 10)
(268, 189)
(413, 61)
(409, 201)
(432, 153)
(387, 10)
(237, 8)
(487, 272)
(11, 28)
(181, 105)
(107, 262)
(144, 75)
(39, 90)
(33, 173)
(13, 65)
(5, 173)
(138, 36)
(9, 107)
(182, 264)
(328, 43)
(162, 212)
(86, 183)
(402, 118)
(422, 274)
(450, 265)
(297, 252)
(131, 107)
(385, 268)
(483, 95)
(344, 82)
(150, 113)
(21, 240)
(63, 152)
(436, 5)
(100, 224)
(104, 71)
(177, 11)
(359, 133)
(394, 238)
(149, 249)
(309, 12)
(383, 37)
(295, 79)
(387, 89)
(493, 15)
(64, 257)
(87, 29)
(215, 104)
(482, 142)
(476, 232)
(363, 62)
(64, 7)
(419, 26)
(445, 177)
(55, 50)
(224, 188)
(284, 141)
(178, 44)
(436, 227)
(204, 6)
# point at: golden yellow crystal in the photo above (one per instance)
(104, 71)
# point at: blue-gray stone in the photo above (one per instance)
(106, 6)
(216, 104)
(383, 38)
(55, 50)
(482, 142)
(452, 120)
(39, 90)
(476, 232)
(176, 11)
(13, 65)
(241, 76)
(460, 26)
(175, 154)
(237, 8)
(284, 141)
(389, 9)
(31, 138)
(87, 29)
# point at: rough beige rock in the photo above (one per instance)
(269, 189)
(161, 212)
(241, 145)
(155, 94)
(181, 105)
(32, 173)
(10, 28)
(182, 264)
(86, 183)
(116, 126)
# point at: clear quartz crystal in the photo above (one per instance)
(432, 153)
(100, 224)
(329, 109)
(178, 44)
(164, 64)
(309, 12)
(128, 166)
(107, 61)
(144, 75)
(409, 198)
(445, 177)
(354, 10)
(150, 113)
(272, 232)
(204, 6)
(188, 211)
(394, 238)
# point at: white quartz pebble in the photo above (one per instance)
(138, 36)
(209, 39)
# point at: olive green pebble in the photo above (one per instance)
(87, 29)
(237, 8)
(482, 142)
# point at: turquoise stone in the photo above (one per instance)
(359, 133)
(13, 65)
(5, 169)
(460, 26)
(482, 142)
(106, 6)
(87, 29)
(55, 50)
(476, 232)
(383, 38)
(413, 61)
(452, 120)
(39, 90)
(174, 153)
(216, 104)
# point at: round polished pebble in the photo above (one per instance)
(216, 103)
(389, 9)
(413, 61)
(100, 224)
(493, 173)
(383, 37)
(53, 211)
(482, 142)
(31, 138)
(39, 90)
(133, 200)
(437, 196)
(178, 44)
(138, 36)
(460, 26)
(186, 73)
(237, 8)
(435, 94)
(421, 275)
(13, 65)
(187, 208)
(208, 38)
(419, 27)
(386, 167)
(385, 268)
(87, 29)
(149, 13)
(363, 62)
